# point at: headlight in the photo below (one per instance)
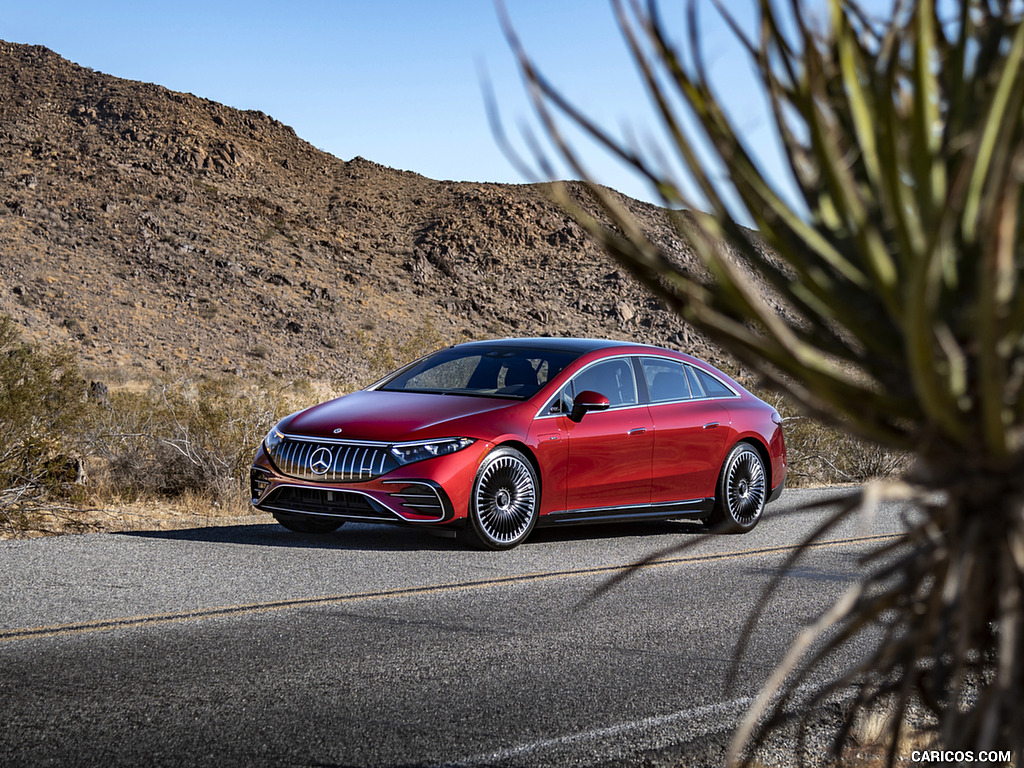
(407, 453)
(274, 438)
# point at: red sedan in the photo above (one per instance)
(493, 438)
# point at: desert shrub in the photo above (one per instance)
(43, 407)
(819, 454)
(185, 438)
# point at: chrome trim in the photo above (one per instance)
(625, 356)
(335, 440)
(414, 443)
(346, 518)
(692, 400)
(438, 502)
(654, 506)
(606, 410)
(258, 476)
(734, 395)
(550, 401)
(662, 510)
(354, 518)
(616, 408)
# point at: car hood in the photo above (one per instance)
(400, 416)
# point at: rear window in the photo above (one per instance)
(712, 386)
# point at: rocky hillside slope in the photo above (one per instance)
(156, 230)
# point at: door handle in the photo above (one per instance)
(711, 425)
(637, 431)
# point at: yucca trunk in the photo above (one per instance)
(899, 271)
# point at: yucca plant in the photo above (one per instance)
(899, 268)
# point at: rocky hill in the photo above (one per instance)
(156, 230)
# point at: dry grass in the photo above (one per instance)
(120, 516)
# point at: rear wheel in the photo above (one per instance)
(505, 502)
(741, 493)
(308, 524)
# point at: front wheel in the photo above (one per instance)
(307, 524)
(505, 502)
(741, 493)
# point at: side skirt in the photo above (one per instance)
(697, 509)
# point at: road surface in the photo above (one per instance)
(380, 646)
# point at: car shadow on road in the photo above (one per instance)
(356, 536)
(386, 538)
(592, 531)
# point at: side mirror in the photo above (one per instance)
(587, 401)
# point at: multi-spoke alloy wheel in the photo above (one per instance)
(505, 501)
(742, 491)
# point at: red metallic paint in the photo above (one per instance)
(690, 443)
(622, 438)
(548, 442)
(397, 416)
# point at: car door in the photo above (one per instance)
(692, 432)
(610, 451)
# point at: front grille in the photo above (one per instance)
(340, 462)
(319, 501)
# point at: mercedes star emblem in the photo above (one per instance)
(321, 461)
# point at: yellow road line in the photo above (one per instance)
(102, 625)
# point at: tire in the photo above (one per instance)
(505, 502)
(741, 493)
(307, 524)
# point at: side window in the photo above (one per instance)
(612, 378)
(695, 387)
(713, 386)
(666, 379)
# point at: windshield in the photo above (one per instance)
(516, 373)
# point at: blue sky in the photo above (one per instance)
(396, 81)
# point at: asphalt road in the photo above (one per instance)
(379, 646)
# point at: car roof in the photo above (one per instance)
(582, 346)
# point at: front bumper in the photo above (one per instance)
(433, 492)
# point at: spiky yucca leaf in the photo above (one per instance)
(899, 269)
